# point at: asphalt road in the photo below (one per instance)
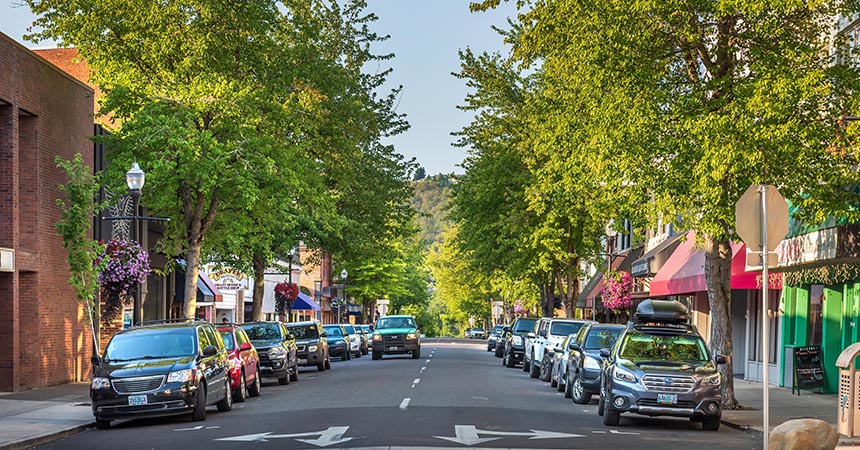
(456, 395)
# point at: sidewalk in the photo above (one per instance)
(34, 417)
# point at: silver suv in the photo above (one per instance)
(548, 333)
(660, 366)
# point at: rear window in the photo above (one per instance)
(524, 325)
(151, 344)
(565, 328)
(263, 331)
(304, 332)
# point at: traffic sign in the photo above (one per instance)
(748, 217)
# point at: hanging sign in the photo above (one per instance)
(229, 279)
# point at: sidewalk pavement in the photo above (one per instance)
(42, 415)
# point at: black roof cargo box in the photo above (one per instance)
(663, 311)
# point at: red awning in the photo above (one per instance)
(208, 285)
(684, 272)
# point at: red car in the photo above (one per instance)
(243, 362)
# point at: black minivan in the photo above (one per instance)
(161, 369)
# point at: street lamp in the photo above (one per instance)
(135, 178)
(610, 248)
(343, 275)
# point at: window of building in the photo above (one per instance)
(815, 317)
(755, 304)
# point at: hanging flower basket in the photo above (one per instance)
(285, 292)
(617, 289)
(124, 266)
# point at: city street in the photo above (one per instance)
(456, 395)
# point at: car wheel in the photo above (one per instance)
(376, 355)
(568, 387)
(358, 353)
(344, 356)
(526, 364)
(254, 390)
(711, 423)
(102, 424)
(545, 370)
(534, 369)
(611, 417)
(295, 375)
(580, 397)
(601, 405)
(417, 353)
(199, 412)
(509, 360)
(327, 362)
(242, 393)
(365, 351)
(226, 403)
(284, 380)
(498, 352)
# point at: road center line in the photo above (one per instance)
(405, 403)
(428, 361)
(424, 368)
(417, 380)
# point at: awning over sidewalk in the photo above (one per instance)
(305, 303)
(684, 272)
(592, 289)
(208, 289)
(650, 263)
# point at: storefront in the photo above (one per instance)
(682, 278)
(590, 301)
(821, 297)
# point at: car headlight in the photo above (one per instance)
(180, 376)
(517, 340)
(623, 374)
(100, 383)
(591, 363)
(353, 339)
(713, 380)
(313, 348)
(411, 336)
(277, 353)
(377, 337)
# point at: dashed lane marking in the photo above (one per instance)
(405, 403)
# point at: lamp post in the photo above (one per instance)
(343, 275)
(135, 178)
(610, 248)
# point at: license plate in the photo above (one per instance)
(667, 399)
(393, 348)
(136, 400)
(303, 361)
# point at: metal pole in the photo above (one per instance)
(290, 302)
(344, 297)
(137, 313)
(764, 319)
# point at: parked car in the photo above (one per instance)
(365, 339)
(338, 341)
(493, 338)
(475, 333)
(277, 349)
(558, 361)
(161, 369)
(548, 333)
(396, 335)
(661, 366)
(582, 366)
(355, 343)
(514, 340)
(243, 360)
(311, 344)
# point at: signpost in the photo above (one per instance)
(761, 220)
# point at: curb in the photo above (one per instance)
(46, 437)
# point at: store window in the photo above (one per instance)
(755, 305)
(815, 318)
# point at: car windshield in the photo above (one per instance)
(366, 328)
(333, 331)
(395, 322)
(524, 326)
(645, 347)
(599, 338)
(151, 344)
(565, 328)
(304, 331)
(263, 331)
(498, 329)
(349, 329)
(227, 336)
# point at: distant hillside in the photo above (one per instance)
(431, 198)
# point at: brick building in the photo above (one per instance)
(44, 113)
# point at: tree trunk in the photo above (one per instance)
(259, 264)
(718, 272)
(192, 271)
(546, 297)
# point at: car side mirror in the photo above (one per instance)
(604, 353)
(506, 329)
(371, 328)
(209, 350)
(720, 359)
(530, 335)
(291, 337)
(95, 360)
(245, 346)
(558, 349)
(573, 346)
(323, 334)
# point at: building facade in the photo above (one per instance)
(44, 114)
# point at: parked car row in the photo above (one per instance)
(655, 365)
(176, 367)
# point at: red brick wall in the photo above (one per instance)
(43, 113)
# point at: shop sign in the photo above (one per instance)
(229, 279)
(639, 267)
(819, 245)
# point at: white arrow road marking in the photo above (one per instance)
(620, 432)
(198, 427)
(327, 437)
(405, 403)
(470, 435)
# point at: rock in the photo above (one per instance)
(803, 434)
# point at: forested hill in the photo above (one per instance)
(431, 198)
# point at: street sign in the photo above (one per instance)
(748, 215)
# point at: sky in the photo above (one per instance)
(425, 38)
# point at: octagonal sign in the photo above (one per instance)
(748, 217)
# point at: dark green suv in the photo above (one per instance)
(396, 335)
